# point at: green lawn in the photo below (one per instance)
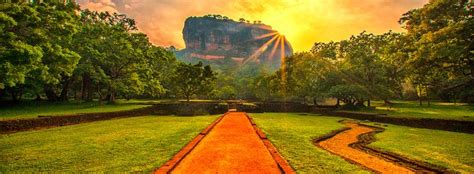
(30, 109)
(130, 144)
(436, 110)
(449, 149)
(292, 134)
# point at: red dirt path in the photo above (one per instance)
(339, 144)
(232, 146)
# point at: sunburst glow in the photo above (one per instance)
(303, 21)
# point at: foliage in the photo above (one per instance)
(35, 40)
(52, 48)
(352, 95)
(442, 56)
(58, 51)
(307, 75)
(192, 80)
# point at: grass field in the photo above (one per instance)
(30, 109)
(292, 135)
(435, 110)
(449, 149)
(130, 144)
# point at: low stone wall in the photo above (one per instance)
(283, 107)
(204, 108)
(53, 121)
(190, 109)
(182, 109)
(429, 123)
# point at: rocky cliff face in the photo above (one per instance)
(209, 39)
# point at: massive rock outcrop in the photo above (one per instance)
(213, 37)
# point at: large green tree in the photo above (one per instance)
(306, 74)
(35, 40)
(192, 80)
(18, 57)
(442, 32)
(118, 60)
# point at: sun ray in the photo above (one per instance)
(275, 46)
(283, 66)
(265, 35)
(260, 50)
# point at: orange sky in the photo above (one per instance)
(303, 22)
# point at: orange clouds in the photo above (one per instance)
(303, 22)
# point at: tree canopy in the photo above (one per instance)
(50, 48)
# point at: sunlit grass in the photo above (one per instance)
(435, 110)
(449, 149)
(292, 134)
(131, 144)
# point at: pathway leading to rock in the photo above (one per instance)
(231, 146)
(340, 145)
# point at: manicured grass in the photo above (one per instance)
(449, 149)
(30, 109)
(435, 110)
(292, 134)
(130, 144)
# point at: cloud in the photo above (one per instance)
(99, 5)
(302, 21)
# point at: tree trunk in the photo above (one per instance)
(338, 102)
(38, 97)
(315, 102)
(64, 92)
(100, 94)
(50, 94)
(86, 93)
(20, 93)
(111, 94)
(427, 97)
(112, 97)
(14, 95)
(368, 103)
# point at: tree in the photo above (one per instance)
(394, 55)
(306, 74)
(225, 86)
(266, 87)
(362, 64)
(442, 32)
(59, 60)
(192, 80)
(118, 60)
(35, 40)
(351, 95)
(18, 57)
